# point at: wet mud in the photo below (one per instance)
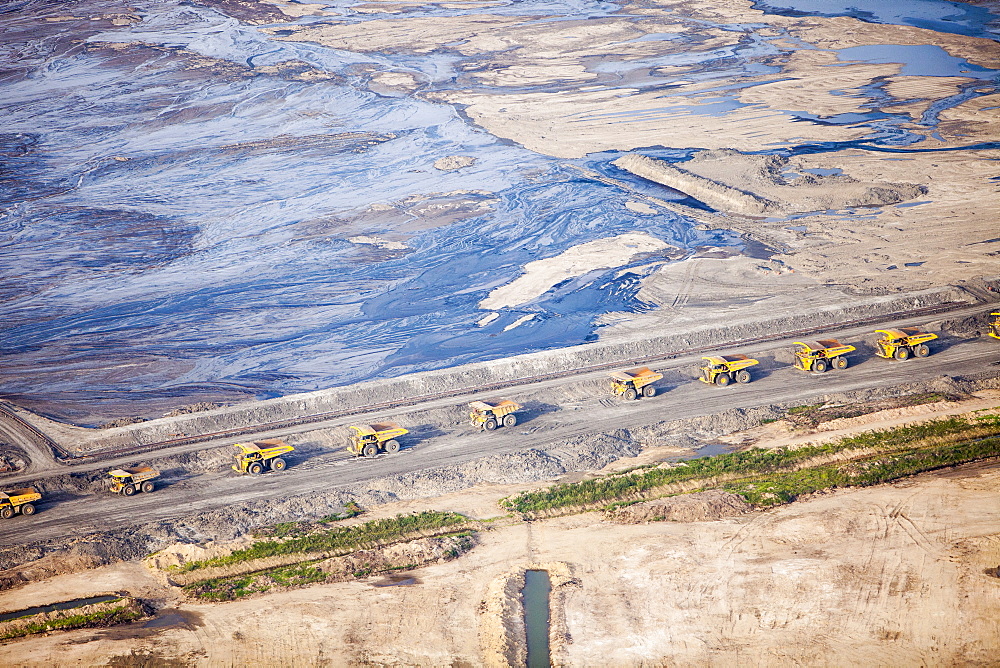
(234, 200)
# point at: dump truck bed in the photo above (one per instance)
(638, 375)
(388, 430)
(497, 407)
(18, 497)
(913, 335)
(382, 431)
(731, 362)
(829, 347)
(138, 473)
(270, 447)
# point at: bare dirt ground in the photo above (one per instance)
(901, 574)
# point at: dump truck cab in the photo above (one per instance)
(724, 369)
(633, 383)
(994, 325)
(902, 343)
(18, 501)
(259, 456)
(129, 481)
(488, 415)
(820, 355)
(368, 440)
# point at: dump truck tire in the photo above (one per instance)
(370, 450)
(490, 425)
(7, 513)
(743, 376)
(509, 420)
(27, 509)
(255, 469)
(631, 394)
(902, 354)
(921, 351)
(129, 490)
(649, 391)
(278, 464)
(392, 447)
(147, 487)
(840, 363)
(722, 379)
(819, 366)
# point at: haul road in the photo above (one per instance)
(776, 383)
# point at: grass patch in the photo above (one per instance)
(337, 539)
(228, 588)
(298, 529)
(785, 487)
(300, 574)
(233, 587)
(598, 492)
(118, 615)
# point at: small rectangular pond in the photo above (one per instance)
(536, 617)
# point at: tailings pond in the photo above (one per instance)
(197, 207)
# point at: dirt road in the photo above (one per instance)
(557, 412)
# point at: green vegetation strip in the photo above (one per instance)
(598, 492)
(785, 487)
(118, 615)
(233, 587)
(339, 539)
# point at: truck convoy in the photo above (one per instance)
(488, 415)
(370, 439)
(259, 456)
(634, 382)
(18, 501)
(129, 481)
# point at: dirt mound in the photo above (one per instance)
(194, 408)
(755, 185)
(122, 422)
(698, 507)
(399, 556)
(13, 459)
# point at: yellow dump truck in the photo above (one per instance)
(18, 501)
(995, 324)
(369, 439)
(901, 343)
(725, 369)
(631, 383)
(489, 415)
(259, 456)
(130, 481)
(821, 355)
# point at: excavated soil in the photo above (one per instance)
(698, 507)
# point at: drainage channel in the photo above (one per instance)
(536, 617)
(64, 605)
